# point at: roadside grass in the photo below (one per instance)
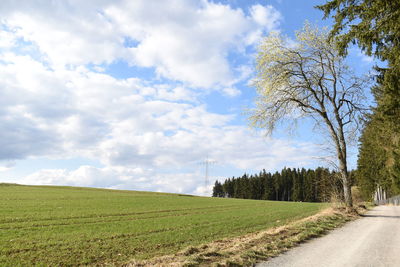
(69, 226)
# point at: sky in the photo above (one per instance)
(139, 94)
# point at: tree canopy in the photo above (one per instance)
(371, 24)
(310, 78)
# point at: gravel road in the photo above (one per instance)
(370, 241)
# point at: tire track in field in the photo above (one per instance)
(109, 221)
(96, 216)
(109, 215)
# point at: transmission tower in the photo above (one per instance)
(207, 163)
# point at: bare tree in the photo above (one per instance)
(308, 77)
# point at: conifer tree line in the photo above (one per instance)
(290, 184)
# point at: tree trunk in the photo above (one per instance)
(341, 149)
(346, 181)
(347, 189)
(342, 156)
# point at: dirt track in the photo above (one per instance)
(370, 241)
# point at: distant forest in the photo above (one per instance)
(318, 185)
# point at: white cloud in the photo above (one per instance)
(116, 178)
(231, 91)
(66, 32)
(356, 52)
(142, 135)
(183, 40)
(365, 58)
(4, 169)
(266, 16)
(7, 39)
(175, 93)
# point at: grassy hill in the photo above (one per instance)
(51, 225)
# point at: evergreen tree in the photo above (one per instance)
(268, 186)
(276, 184)
(218, 190)
(228, 187)
(309, 186)
(296, 186)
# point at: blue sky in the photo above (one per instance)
(136, 94)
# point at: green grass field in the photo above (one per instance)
(49, 225)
